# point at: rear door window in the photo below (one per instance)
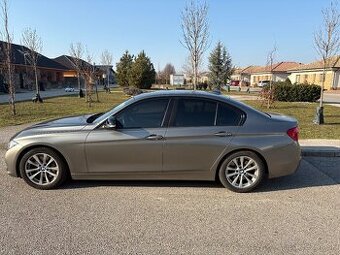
(194, 113)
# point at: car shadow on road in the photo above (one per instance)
(309, 174)
(306, 176)
(76, 184)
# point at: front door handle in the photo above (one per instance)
(223, 134)
(154, 137)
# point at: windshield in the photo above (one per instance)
(117, 108)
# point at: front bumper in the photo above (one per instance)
(11, 157)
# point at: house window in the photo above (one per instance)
(314, 78)
(321, 77)
(306, 78)
(298, 78)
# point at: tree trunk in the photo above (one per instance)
(10, 83)
(97, 92)
(36, 81)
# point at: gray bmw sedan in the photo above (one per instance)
(166, 135)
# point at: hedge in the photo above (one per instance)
(286, 92)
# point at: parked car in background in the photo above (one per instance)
(262, 84)
(164, 135)
(235, 83)
(69, 89)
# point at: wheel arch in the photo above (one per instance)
(25, 150)
(238, 150)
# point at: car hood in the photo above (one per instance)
(64, 122)
(62, 125)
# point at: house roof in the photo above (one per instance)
(105, 67)
(237, 70)
(69, 62)
(18, 58)
(280, 67)
(333, 62)
(251, 69)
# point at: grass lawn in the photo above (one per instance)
(304, 113)
(72, 105)
(28, 112)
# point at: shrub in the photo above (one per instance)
(284, 91)
(132, 91)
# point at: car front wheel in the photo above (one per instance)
(242, 171)
(43, 168)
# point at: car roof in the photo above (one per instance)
(178, 93)
(198, 93)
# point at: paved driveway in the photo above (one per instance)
(332, 98)
(298, 214)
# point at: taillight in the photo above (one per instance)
(293, 133)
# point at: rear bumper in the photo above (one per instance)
(283, 161)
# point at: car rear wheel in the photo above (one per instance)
(43, 168)
(242, 171)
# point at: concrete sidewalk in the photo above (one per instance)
(320, 148)
(28, 95)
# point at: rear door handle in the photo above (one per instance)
(223, 134)
(154, 137)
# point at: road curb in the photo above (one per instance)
(320, 152)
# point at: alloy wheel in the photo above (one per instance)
(41, 169)
(242, 172)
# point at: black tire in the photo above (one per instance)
(254, 176)
(60, 175)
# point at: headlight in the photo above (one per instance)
(11, 144)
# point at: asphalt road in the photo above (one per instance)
(298, 214)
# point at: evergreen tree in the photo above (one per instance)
(220, 66)
(123, 69)
(142, 73)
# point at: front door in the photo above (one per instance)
(136, 145)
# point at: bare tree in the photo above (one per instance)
(76, 52)
(106, 60)
(90, 72)
(327, 45)
(188, 68)
(195, 30)
(7, 57)
(33, 43)
(167, 71)
(270, 65)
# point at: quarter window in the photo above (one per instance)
(147, 114)
(228, 116)
(194, 113)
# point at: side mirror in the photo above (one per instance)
(111, 123)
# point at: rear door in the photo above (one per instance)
(200, 130)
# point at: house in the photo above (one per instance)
(276, 72)
(70, 74)
(176, 79)
(243, 75)
(107, 74)
(50, 73)
(236, 75)
(203, 77)
(312, 73)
